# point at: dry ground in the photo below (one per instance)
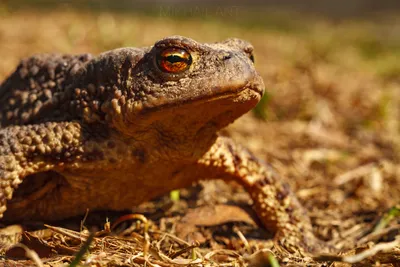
(329, 124)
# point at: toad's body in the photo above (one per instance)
(112, 131)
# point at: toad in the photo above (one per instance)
(82, 132)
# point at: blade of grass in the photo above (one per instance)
(82, 251)
(387, 218)
(174, 195)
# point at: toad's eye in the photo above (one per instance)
(174, 60)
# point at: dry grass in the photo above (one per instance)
(332, 129)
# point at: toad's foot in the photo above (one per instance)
(274, 202)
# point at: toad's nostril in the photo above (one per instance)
(252, 58)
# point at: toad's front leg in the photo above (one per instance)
(32, 149)
(274, 202)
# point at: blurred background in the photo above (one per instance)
(329, 121)
(319, 58)
(334, 64)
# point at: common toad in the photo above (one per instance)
(82, 132)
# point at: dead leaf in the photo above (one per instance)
(211, 216)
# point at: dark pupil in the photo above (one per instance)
(174, 59)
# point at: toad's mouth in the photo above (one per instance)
(210, 112)
(249, 94)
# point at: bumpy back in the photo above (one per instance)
(51, 87)
(29, 94)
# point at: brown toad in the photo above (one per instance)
(112, 131)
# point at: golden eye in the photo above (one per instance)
(174, 60)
